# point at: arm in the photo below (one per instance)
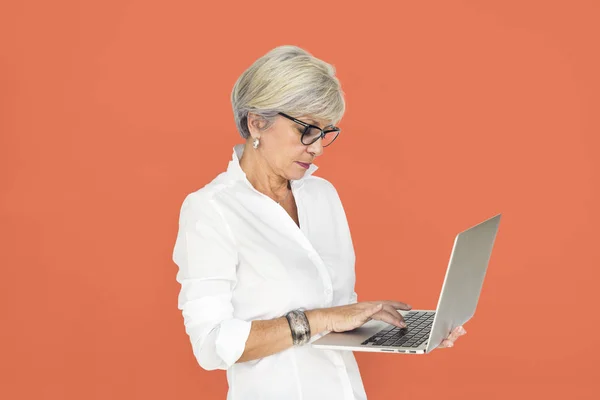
(206, 255)
(272, 336)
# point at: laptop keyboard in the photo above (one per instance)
(417, 332)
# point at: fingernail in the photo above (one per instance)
(450, 344)
(402, 325)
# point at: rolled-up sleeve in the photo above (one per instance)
(206, 255)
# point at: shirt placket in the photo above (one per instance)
(301, 233)
(314, 256)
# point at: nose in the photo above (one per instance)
(316, 148)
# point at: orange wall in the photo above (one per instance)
(112, 111)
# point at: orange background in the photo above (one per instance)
(112, 111)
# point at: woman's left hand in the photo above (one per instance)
(455, 334)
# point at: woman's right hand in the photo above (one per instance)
(352, 316)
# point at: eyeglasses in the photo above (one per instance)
(313, 133)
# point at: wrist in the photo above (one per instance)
(317, 319)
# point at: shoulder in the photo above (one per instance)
(201, 201)
(321, 191)
(320, 187)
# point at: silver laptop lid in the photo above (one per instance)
(464, 278)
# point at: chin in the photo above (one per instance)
(297, 175)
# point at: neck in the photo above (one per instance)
(261, 175)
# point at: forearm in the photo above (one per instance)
(268, 337)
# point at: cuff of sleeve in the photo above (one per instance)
(231, 341)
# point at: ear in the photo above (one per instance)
(256, 124)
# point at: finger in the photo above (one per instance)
(453, 335)
(446, 344)
(400, 322)
(458, 332)
(398, 305)
(369, 312)
(385, 316)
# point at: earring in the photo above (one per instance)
(255, 143)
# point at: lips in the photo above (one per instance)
(303, 164)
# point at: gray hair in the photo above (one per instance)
(287, 79)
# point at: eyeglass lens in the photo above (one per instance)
(313, 134)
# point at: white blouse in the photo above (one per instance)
(241, 257)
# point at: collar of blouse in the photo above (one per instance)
(237, 172)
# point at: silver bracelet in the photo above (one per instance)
(299, 327)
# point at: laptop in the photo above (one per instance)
(426, 329)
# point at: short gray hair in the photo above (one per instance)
(287, 79)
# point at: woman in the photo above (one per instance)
(265, 256)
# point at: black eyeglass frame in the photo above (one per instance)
(307, 126)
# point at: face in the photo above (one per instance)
(282, 149)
